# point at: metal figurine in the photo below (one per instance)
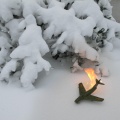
(86, 95)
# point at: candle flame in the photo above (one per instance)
(92, 76)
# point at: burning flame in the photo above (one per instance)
(91, 74)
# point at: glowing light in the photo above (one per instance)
(92, 76)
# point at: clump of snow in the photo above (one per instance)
(102, 70)
(71, 28)
(87, 8)
(76, 67)
(60, 48)
(8, 8)
(108, 47)
(113, 28)
(29, 74)
(52, 3)
(31, 6)
(106, 7)
(115, 42)
(14, 31)
(67, 1)
(8, 68)
(41, 3)
(30, 50)
(4, 50)
(2, 28)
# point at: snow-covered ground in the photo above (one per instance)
(53, 98)
(55, 92)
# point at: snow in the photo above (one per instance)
(14, 31)
(8, 8)
(88, 8)
(27, 79)
(71, 29)
(53, 3)
(55, 91)
(5, 48)
(54, 95)
(9, 67)
(29, 7)
(33, 47)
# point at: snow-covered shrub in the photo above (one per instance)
(30, 51)
(80, 28)
(71, 29)
(33, 47)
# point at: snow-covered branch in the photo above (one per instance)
(28, 27)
